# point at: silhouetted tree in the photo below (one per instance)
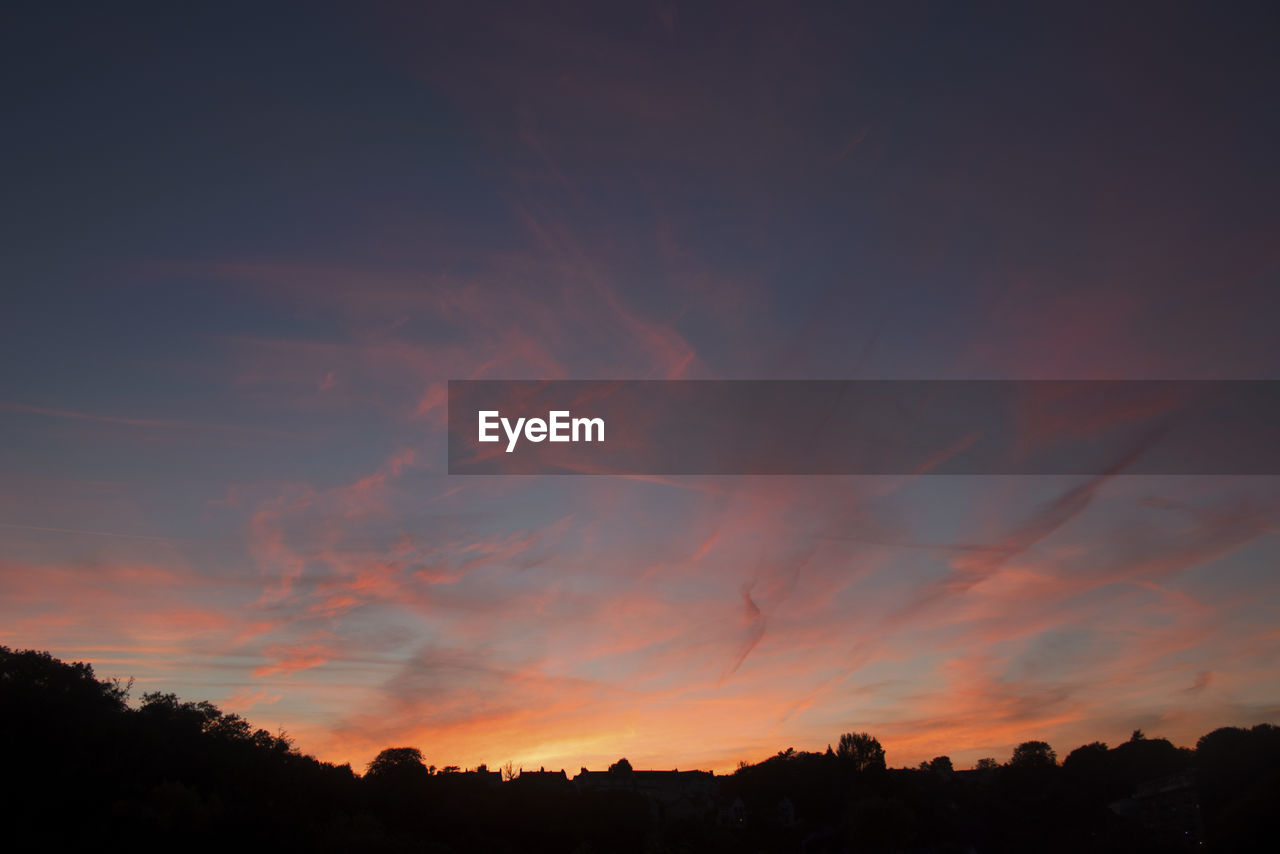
(1033, 754)
(168, 766)
(987, 763)
(940, 765)
(398, 762)
(622, 766)
(862, 750)
(1142, 759)
(1087, 762)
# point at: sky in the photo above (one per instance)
(245, 248)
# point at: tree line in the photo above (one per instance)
(85, 767)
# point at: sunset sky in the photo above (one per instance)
(243, 252)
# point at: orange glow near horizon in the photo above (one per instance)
(556, 657)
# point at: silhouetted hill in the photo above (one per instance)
(86, 770)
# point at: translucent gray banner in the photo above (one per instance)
(696, 427)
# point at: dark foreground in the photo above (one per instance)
(84, 769)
